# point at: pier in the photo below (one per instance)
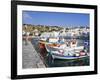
(31, 59)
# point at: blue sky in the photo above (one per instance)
(55, 18)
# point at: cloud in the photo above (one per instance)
(26, 16)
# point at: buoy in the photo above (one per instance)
(82, 53)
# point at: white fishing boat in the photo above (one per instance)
(62, 51)
(59, 48)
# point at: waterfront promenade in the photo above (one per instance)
(30, 58)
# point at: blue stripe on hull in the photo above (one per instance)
(66, 57)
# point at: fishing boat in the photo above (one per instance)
(59, 48)
(62, 51)
(47, 38)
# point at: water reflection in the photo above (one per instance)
(63, 63)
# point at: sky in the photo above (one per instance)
(55, 18)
